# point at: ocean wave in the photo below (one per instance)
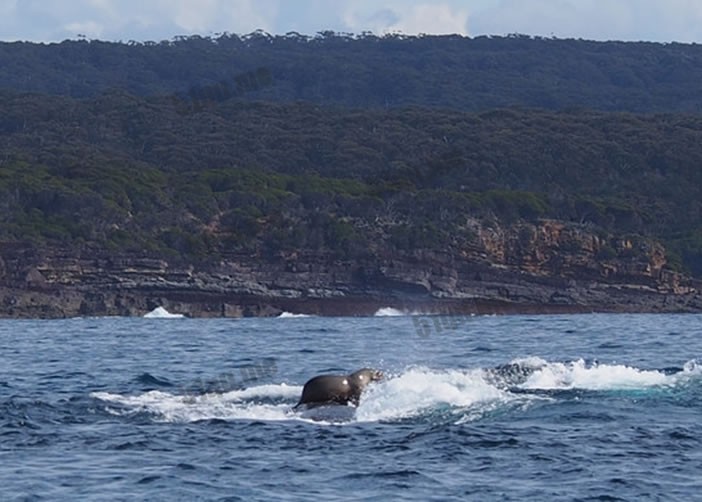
(594, 376)
(464, 395)
(290, 315)
(393, 312)
(263, 402)
(421, 390)
(389, 312)
(162, 313)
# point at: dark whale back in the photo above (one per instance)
(510, 374)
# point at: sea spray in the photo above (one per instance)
(413, 393)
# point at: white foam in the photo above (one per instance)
(530, 362)
(290, 315)
(389, 312)
(269, 391)
(421, 389)
(240, 404)
(412, 393)
(692, 368)
(692, 371)
(579, 375)
(393, 312)
(161, 313)
(462, 393)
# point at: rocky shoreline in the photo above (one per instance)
(56, 285)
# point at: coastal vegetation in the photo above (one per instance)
(199, 148)
(460, 73)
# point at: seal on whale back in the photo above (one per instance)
(337, 389)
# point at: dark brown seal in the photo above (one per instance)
(337, 389)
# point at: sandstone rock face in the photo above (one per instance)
(548, 266)
(556, 249)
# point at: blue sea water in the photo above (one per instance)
(186, 409)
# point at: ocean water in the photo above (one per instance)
(582, 407)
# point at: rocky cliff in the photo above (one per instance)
(548, 266)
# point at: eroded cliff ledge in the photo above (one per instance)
(544, 267)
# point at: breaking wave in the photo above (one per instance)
(459, 395)
(162, 313)
(290, 315)
(393, 312)
(389, 312)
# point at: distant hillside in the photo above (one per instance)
(129, 173)
(367, 71)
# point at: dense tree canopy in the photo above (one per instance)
(471, 74)
(202, 178)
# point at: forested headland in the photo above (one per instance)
(460, 73)
(354, 149)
